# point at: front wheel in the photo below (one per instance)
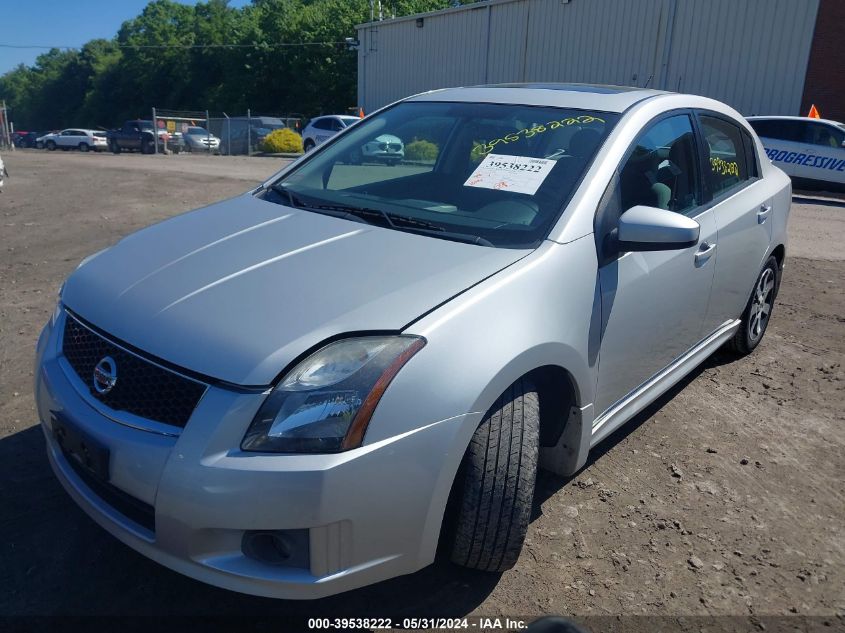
(758, 310)
(496, 483)
(51, 145)
(308, 146)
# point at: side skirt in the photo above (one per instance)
(624, 409)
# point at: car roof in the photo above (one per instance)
(792, 118)
(568, 95)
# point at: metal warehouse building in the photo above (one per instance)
(760, 56)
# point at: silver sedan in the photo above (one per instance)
(198, 139)
(282, 393)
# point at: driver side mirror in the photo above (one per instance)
(643, 228)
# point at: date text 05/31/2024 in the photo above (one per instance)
(411, 624)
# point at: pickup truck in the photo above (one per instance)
(138, 135)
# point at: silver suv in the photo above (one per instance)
(282, 393)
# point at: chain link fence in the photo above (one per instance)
(219, 133)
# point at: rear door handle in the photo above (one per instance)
(704, 252)
(763, 213)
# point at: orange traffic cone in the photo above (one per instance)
(814, 113)
(361, 113)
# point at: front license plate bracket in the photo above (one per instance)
(79, 446)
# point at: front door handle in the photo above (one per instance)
(763, 213)
(704, 252)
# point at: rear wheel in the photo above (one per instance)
(84, 147)
(758, 310)
(496, 483)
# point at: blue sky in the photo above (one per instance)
(62, 23)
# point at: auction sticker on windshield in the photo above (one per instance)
(519, 174)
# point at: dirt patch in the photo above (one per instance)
(724, 498)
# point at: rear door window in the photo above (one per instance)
(824, 135)
(727, 166)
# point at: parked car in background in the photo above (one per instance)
(282, 393)
(39, 140)
(322, 128)
(138, 135)
(811, 151)
(385, 148)
(27, 139)
(199, 139)
(75, 138)
(243, 140)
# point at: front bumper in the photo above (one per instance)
(203, 144)
(370, 514)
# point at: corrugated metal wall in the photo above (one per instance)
(751, 54)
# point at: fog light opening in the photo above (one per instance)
(270, 547)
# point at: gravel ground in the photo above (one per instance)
(725, 498)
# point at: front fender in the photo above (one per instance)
(543, 310)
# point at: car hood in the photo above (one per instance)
(239, 289)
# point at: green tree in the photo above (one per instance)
(273, 56)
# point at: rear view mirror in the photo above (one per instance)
(644, 228)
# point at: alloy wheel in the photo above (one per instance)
(761, 304)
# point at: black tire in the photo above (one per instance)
(84, 147)
(51, 145)
(147, 147)
(497, 488)
(308, 146)
(115, 148)
(753, 324)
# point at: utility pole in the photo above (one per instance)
(5, 128)
(373, 11)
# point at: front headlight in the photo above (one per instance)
(57, 311)
(324, 404)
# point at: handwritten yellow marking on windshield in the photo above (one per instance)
(534, 130)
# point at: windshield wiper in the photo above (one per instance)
(392, 220)
(333, 210)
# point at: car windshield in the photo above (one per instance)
(493, 174)
(346, 121)
(197, 130)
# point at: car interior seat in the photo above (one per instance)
(677, 173)
(639, 184)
